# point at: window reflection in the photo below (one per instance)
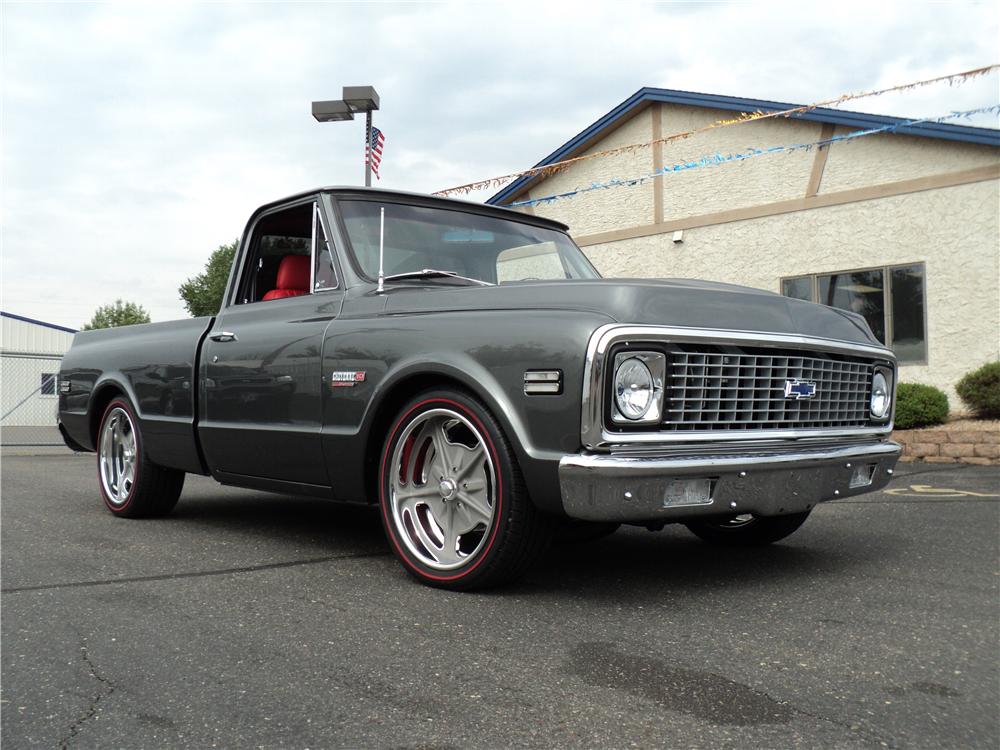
(325, 275)
(862, 292)
(800, 288)
(892, 300)
(909, 339)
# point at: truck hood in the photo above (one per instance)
(674, 302)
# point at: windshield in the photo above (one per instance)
(497, 251)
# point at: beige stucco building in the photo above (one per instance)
(901, 226)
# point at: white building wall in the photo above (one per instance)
(22, 336)
(606, 209)
(748, 183)
(27, 352)
(22, 404)
(877, 159)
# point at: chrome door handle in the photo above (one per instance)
(223, 336)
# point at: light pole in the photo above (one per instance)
(355, 99)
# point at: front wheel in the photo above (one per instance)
(747, 530)
(452, 497)
(131, 485)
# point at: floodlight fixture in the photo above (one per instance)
(361, 98)
(334, 111)
(356, 99)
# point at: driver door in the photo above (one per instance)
(261, 363)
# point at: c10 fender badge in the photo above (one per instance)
(799, 389)
(346, 378)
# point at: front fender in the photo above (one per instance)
(484, 352)
(473, 376)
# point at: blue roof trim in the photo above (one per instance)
(856, 120)
(37, 322)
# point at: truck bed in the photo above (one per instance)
(156, 366)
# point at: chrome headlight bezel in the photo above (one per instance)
(883, 392)
(655, 363)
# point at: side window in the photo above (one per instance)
(279, 264)
(324, 269)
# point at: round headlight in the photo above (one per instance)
(633, 388)
(881, 396)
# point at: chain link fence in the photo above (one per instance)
(29, 398)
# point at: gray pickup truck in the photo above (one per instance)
(467, 370)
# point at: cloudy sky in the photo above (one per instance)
(137, 138)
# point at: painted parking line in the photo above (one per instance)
(929, 491)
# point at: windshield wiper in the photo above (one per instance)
(432, 273)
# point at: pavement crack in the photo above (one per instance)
(193, 574)
(107, 688)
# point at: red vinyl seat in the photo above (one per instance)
(293, 278)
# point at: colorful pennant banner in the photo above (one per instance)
(713, 160)
(550, 169)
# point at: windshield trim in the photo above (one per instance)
(490, 212)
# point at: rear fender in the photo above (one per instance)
(101, 395)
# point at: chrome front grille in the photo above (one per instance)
(743, 388)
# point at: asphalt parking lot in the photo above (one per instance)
(254, 620)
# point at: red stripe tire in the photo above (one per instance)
(452, 499)
(130, 484)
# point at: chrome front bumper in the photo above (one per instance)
(767, 480)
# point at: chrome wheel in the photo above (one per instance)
(117, 457)
(442, 489)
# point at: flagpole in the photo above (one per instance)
(368, 149)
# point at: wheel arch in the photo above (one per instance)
(104, 393)
(396, 391)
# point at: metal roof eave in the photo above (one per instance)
(42, 323)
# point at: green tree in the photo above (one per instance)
(202, 294)
(119, 314)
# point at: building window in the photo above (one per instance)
(800, 288)
(48, 384)
(893, 299)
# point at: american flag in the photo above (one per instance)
(373, 152)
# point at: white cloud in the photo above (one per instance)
(138, 137)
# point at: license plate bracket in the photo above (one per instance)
(684, 492)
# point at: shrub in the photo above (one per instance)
(980, 390)
(920, 405)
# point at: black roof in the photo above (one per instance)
(409, 197)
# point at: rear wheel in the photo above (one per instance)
(747, 530)
(131, 485)
(453, 501)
